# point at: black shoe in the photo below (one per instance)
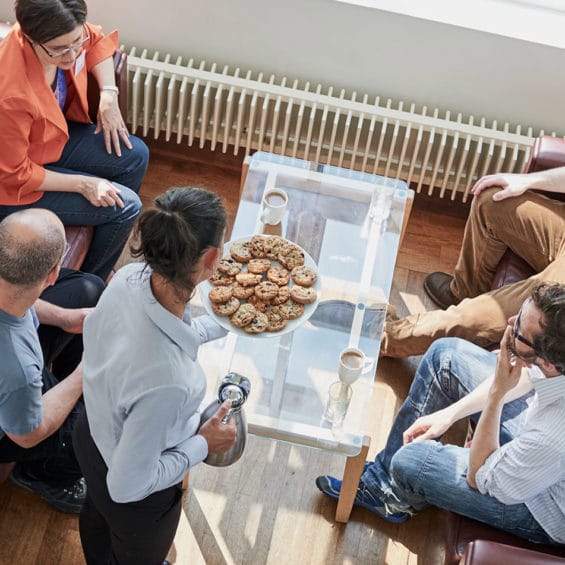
(65, 499)
(438, 288)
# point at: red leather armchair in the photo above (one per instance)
(80, 237)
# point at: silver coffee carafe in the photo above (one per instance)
(234, 387)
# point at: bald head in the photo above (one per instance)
(32, 243)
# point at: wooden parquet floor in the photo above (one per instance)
(266, 509)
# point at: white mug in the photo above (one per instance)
(274, 205)
(352, 364)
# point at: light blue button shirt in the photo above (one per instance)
(143, 386)
(531, 467)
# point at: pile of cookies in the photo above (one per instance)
(262, 284)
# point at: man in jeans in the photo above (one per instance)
(38, 406)
(513, 475)
(505, 213)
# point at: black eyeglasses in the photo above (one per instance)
(76, 47)
(519, 337)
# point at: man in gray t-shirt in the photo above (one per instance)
(39, 406)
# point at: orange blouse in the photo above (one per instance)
(33, 129)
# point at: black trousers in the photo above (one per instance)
(62, 351)
(53, 460)
(132, 533)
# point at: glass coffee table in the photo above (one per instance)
(350, 224)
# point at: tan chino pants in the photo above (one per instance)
(533, 226)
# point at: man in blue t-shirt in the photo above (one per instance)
(41, 348)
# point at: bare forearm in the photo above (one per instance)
(60, 400)
(476, 400)
(62, 182)
(103, 72)
(551, 180)
(486, 436)
(70, 320)
(57, 404)
(49, 314)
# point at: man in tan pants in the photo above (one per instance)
(504, 214)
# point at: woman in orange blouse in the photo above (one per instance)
(52, 155)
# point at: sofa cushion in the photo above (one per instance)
(511, 269)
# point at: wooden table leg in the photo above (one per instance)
(407, 210)
(351, 475)
(244, 171)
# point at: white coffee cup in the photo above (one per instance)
(352, 364)
(274, 205)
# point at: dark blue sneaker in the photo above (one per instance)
(332, 487)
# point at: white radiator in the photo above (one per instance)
(441, 154)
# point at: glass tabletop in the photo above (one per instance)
(349, 223)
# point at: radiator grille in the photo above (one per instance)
(433, 151)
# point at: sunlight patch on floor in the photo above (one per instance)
(412, 302)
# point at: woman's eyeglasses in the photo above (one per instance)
(75, 47)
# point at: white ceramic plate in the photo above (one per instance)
(224, 321)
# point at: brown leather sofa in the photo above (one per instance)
(80, 237)
(472, 542)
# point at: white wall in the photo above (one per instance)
(355, 48)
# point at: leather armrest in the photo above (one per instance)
(511, 269)
(481, 552)
(461, 531)
(547, 153)
(79, 239)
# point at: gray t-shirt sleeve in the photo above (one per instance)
(21, 410)
(21, 382)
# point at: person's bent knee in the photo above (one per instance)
(140, 150)
(93, 288)
(484, 206)
(132, 203)
(440, 351)
(406, 464)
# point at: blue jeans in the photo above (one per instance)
(85, 153)
(411, 477)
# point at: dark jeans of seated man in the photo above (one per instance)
(53, 460)
(62, 351)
